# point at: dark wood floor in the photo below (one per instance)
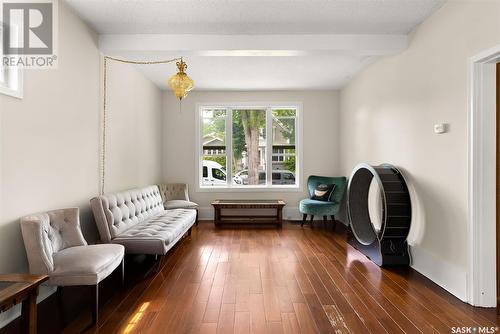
(292, 280)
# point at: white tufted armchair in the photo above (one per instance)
(56, 247)
(176, 196)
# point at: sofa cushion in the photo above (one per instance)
(157, 234)
(85, 265)
(180, 204)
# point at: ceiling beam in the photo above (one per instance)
(253, 45)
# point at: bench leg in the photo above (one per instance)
(280, 217)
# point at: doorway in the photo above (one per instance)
(481, 280)
(498, 182)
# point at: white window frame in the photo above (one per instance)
(230, 187)
(7, 87)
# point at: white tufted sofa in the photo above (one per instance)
(138, 220)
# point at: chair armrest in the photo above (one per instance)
(35, 231)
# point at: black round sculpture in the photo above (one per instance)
(386, 245)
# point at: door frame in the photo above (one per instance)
(481, 227)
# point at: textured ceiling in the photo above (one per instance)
(224, 65)
(254, 16)
(262, 73)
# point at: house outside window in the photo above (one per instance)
(249, 147)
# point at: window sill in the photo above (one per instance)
(11, 92)
(244, 189)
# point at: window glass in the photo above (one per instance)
(252, 143)
(214, 146)
(249, 147)
(218, 174)
(284, 152)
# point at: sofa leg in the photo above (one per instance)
(197, 213)
(95, 304)
(304, 218)
(158, 265)
(312, 218)
(334, 222)
(189, 231)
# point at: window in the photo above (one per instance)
(11, 77)
(248, 147)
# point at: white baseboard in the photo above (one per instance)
(13, 313)
(445, 274)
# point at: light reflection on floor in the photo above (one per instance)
(136, 318)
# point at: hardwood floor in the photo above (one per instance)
(292, 280)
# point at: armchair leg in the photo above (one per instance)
(304, 218)
(95, 304)
(60, 303)
(325, 219)
(123, 272)
(312, 218)
(334, 222)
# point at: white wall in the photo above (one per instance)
(135, 122)
(49, 140)
(387, 115)
(320, 141)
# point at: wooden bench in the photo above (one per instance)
(248, 204)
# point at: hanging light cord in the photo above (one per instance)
(104, 105)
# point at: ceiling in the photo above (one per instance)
(246, 60)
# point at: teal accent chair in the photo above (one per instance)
(321, 208)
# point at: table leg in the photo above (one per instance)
(28, 314)
(217, 217)
(280, 217)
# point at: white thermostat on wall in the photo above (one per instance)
(440, 128)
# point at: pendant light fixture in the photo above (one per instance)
(181, 83)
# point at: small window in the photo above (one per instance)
(205, 171)
(11, 77)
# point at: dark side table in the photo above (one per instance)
(21, 288)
